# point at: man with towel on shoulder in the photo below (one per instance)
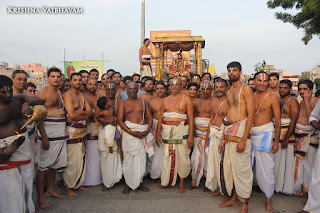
(263, 131)
(134, 117)
(176, 126)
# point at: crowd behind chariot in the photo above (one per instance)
(101, 129)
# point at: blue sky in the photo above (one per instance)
(244, 30)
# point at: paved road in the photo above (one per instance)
(164, 200)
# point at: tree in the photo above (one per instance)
(258, 67)
(317, 82)
(308, 17)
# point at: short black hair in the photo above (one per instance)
(215, 78)
(104, 75)
(206, 73)
(93, 70)
(53, 69)
(5, 81)
(192, 84)
(19, 71)
(184, 76)
(196, 75)
(98, 82)
(317, 93)
(222, 80)
(150, 79)
(250, 79)
(136, 74)
(286, 81)
(127, 78)
(67, 80)
(274, 74)
(261, 72)
(110, 70)
(146, 39)
(75, 74)
(162, 83)
(113, 74)
(101, 103)
(144, 77)
(307, 82)
(30, 84)
(83, 71)
(234, 64)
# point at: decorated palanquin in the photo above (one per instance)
(179, 66)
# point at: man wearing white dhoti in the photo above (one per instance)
(202, 120)
(78, 113)
(144, 59)
(15, 168)
(135, 119)
(109, 138)
(52, 152)
(284, 157)
(313, 203)
(175, 127)
(306, 140)
(155, 106)
(93, 164)
(235, 166)
(219, 110)
(266, 107)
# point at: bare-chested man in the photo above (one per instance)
(15, 167)
(306, 139)
(109, 137)
(145, 56)
(193, 91)
(85, 76)
(149, 88)
(154, 166)
(78, 113)
(284, 158)
(185, 81)
(175, 127)
(117, 78)
(235, 146)
(263, 146)
(202, 121)
(274, 84)
(52, 151)
(219, 110)
(93, 170)
(135, 118)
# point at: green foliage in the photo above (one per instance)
(308, 17)
(317, 82)
(258, 67)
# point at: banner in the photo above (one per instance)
(75, 66)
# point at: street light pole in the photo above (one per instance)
(143, 21)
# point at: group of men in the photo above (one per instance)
(221, 130)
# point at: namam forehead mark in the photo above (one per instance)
(132, 85)
(263, 77)
(110, 85)
(176, 81)
(206, 85)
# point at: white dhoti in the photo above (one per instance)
(307, 143)
(157, 161)
(262, 157)
(235, 167)
(283, 160)
(134, 155)
(199, 157)
(213, 170)
(176, 159)
(111, 167)
(16, 178)
(56, 156)
(31, 130)
(313, 203)
(74, 175)
(93, 163)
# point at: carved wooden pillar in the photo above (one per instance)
(158, 71)
(199, 58)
